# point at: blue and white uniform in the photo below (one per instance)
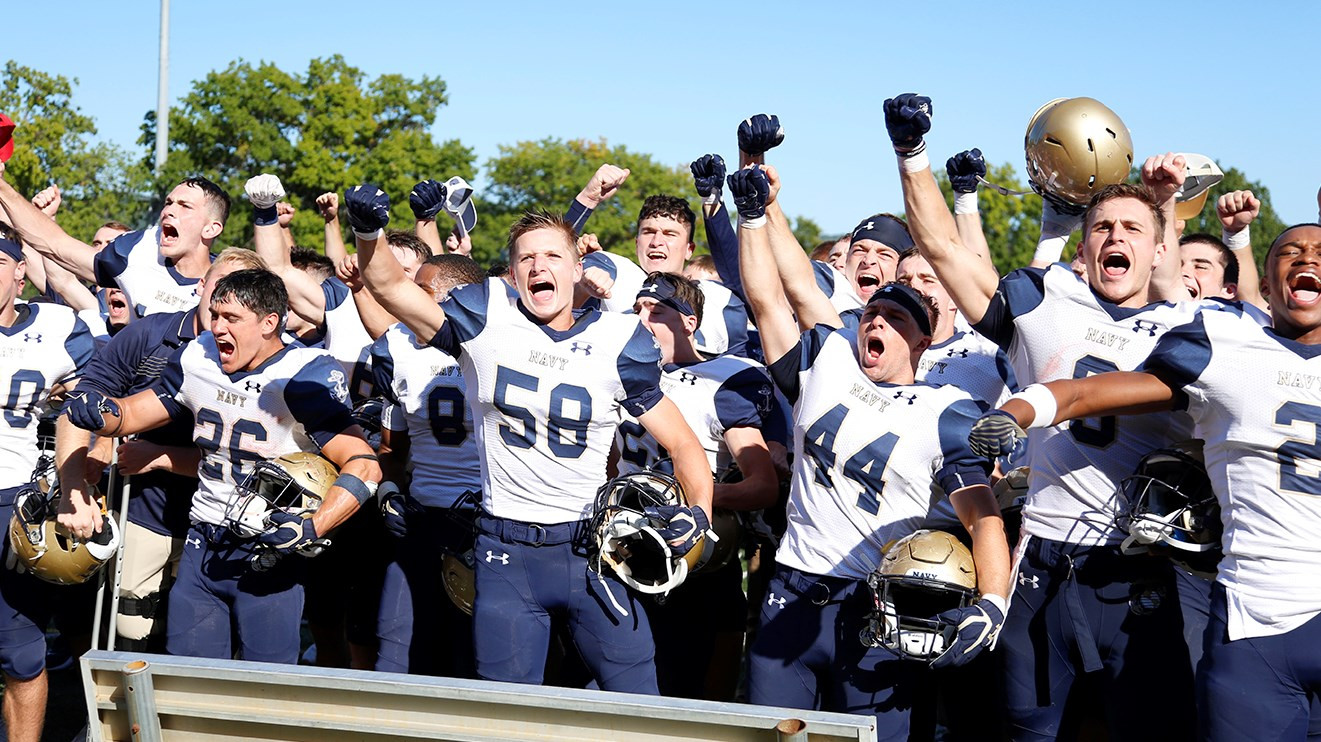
(868, 454)
(545, 405)
(297, 400)
(46, 344)
(837, 287)
(346, 339)
(134, 264)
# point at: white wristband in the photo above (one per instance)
(367, 236)
(1042, 402)
(965, 203)
(757, 223)
(916, 163)
(996, 601)
(1049, 249)
(1240, 240)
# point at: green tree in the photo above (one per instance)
(1265, 228)
(53, 145)
(326, 129)
(808, 233)
(1012, 224)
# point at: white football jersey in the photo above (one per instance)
(1256, 400)
(345, 337)
(714, 396)
(426, 385)
(971, 363)
(133, 263)
(47, 344)
(868, 455)
(1053, 326)
(724, 326)
(545, 403)
(836, 286)
(296, 401)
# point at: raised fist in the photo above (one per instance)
(965, 169)
(588, 243)
(327, 204)
(48, 200)
(760, 133)
(427, 198)
(605, 181)
(285, 213)
(709, 177)
(1164, 175)
(1237, 210)
(264, 191)
(751, 191)
(369, 209)
(908, 119)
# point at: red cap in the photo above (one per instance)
(6, 138)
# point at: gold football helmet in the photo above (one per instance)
(1075, 147)
(40, 545)
(457, 577)
(627, 541)
(921, 576)
(296, 483)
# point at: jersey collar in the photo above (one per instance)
(24, 315)
(582, 319)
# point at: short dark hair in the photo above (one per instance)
(259, 291)
(1227, 257)
(821, 252)
(1127, 190)
(214, 196)
(542, 219)
(408, 241)
(117, 226)
(311, 262)
(456, 270)
(498, 269)
(672, 206)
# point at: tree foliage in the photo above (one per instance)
(53, 146)
(1265, 228)
(325, 129)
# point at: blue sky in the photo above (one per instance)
(1236, 81)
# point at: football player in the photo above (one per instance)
(252, 398)
(1261, 665)
(1053, 326)
(870, 443)
(41, 345)
(549, 384)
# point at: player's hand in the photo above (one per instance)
(1057, 219)
(760, 133)
(139, 457)
(751, 191)
(597, 282)
(285, 213)
(908, 119)
(396, 508)
(964, 169)
(1164, 175)
(79, 515)
(588, 244)
(48, 201)
(427, 198)
(87, 410)
(1237, 210)
(995, 434)
(604, 183)
(369, 209)
(683, 525)
(348, 272)
(709, 177)
(327, 205)
(968, 631)
(264, 192)
(286, 534)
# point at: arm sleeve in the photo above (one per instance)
(383, 367)
(577, 215)
(1179, 358)
(113, 259)
(1019, 293)
(723, 243)
(744, 400)
(313, 400)
(736, 326)
(639, 370)
(170, 384)
(960, 467)
(465, 316)
(80, 344)
(798, 359)
(336, 292)
(599, 260)
(113, 369)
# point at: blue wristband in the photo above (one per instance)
(361, 491)
(266, 216)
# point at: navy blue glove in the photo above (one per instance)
(908, 119)
(87, 410)
(683, 525)
(709, 177)
(396, 509)
(964, 169)
(286, 534)
(751, 190)
(427, 198)
(369, 209)
(968, 631)
(995, 434)
(760, 133)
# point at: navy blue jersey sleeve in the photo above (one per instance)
(113, 259)
(465, 316)
(1018, 293)
(112, 370)
(851, 319)
(777, 421)
(170, 382)
(639, 370)
(80, 344)
(1006, 371)
(1180, 357)
(723, 243)
(336, 292)
(383, 367)
(577, 215)
(317, 397)
(962, 468)
(599, 260)
(744, 400)
(735, 315)
(825, 277)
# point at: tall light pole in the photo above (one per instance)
(163, 89)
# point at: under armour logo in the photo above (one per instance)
(1023, 580)
(777, 602)
(252, 386)
(586, 348)
(1145, 325)
(687, 378)
(910, 397)
(960, 352)
(30, 338)
(491, 557)
(196, 543)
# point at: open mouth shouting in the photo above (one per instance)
(867, 283)
(227, 352)
(1115, 265)
(169, 233)
(872, 352)
(1304, 288)
(541, 291)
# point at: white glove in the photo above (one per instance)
(264, 191)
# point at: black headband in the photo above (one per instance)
(885, 230)
(908, 298)
(663, 289)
